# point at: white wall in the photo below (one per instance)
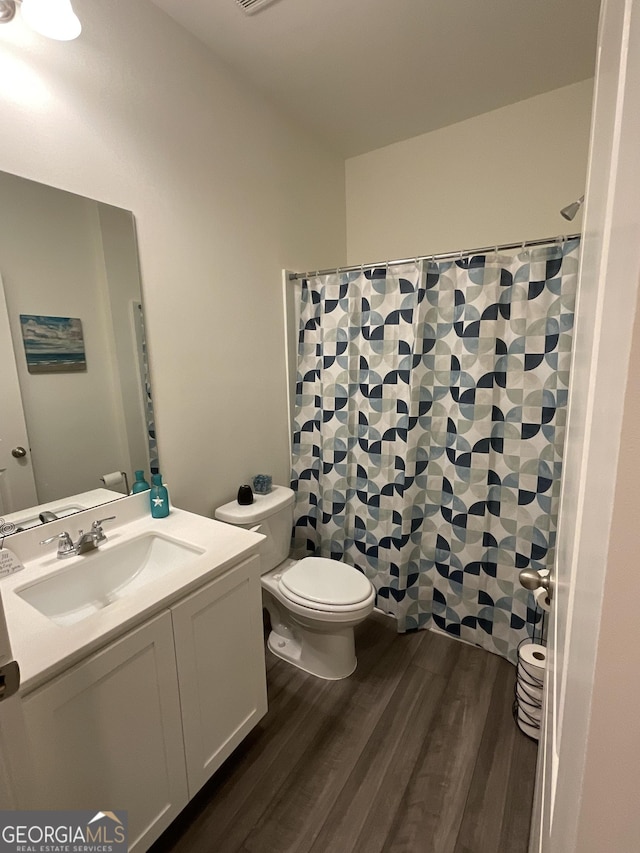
(500, 177)
(51, 264)
(225, 191)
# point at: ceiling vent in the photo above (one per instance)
(251, 6)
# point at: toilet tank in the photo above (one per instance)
(274, 514)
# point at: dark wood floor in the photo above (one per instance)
(416, 752)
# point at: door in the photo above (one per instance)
(220, 654)
(108, 730)
(17, 484)
(14, 754)
(607, 295)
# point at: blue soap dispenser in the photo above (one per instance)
(159, 497)
(140, 484)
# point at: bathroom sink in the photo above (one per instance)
(98, 579)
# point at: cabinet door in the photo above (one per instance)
(221, 667)
(107, 734)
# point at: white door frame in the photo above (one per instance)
(17, 481)
(605, 314)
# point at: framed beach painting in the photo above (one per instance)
(53, 344)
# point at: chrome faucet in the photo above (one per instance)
(86, 542)
(47, 516)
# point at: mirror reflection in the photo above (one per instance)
(76, 398)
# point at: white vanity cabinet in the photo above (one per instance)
(141, 724)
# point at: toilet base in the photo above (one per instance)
(329, 656)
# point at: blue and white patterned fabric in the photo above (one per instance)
(154, 464)
(428, 433)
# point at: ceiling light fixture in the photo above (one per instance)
(54, 19)
(7, 11)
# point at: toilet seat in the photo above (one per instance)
(324, 584)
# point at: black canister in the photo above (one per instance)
(245, 495)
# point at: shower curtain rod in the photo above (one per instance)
(442, 257)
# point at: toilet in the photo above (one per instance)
(314, 603)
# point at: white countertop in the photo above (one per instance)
(44, 648)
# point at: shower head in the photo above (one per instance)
(570, 210)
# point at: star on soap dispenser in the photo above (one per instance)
(159, 497)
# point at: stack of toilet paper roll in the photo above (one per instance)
(532, 662)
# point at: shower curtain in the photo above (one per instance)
(428, 433)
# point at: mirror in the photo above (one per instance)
(76, 395)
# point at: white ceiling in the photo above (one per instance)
(361, 74)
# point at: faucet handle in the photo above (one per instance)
(97, 531)
(98, 524)
(65, 543)
(64, 535)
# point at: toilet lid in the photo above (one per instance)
(325, 581)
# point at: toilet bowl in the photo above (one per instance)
(313, 634)
(314, 603)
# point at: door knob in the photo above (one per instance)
(533, 579)
(18, 452)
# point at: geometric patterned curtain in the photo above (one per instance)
(145, 379)
(428, 433)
